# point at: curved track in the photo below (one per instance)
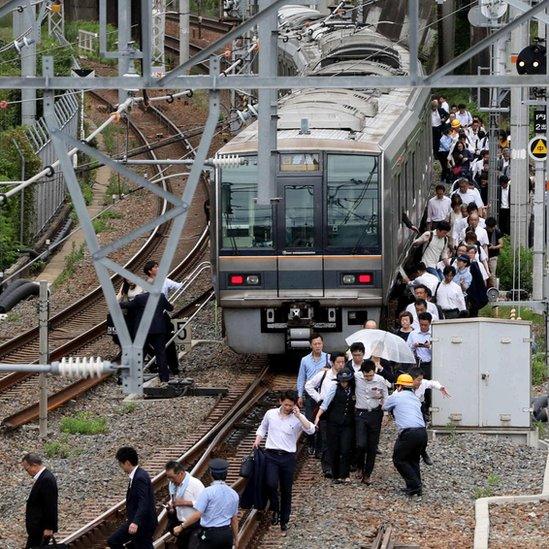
(83, 323)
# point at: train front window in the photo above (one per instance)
(244, 224)
(299, 212)
(353, 204)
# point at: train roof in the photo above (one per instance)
(337, 119)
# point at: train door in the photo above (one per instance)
(299, 222)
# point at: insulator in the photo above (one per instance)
(78, 367)
(227, 161)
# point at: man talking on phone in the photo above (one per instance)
(419, 342)
(282, 426)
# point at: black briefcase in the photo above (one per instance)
(51, 543)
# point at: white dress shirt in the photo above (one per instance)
(482, 235)
(131, 475)
(464, 118)
(191, 493)
(282, 430)
(422, 353)
(35, 477)
(505, 198)
(431, 309)
(369, 394)
(427, 279)
(426, 384)
(450, 296)
(312, 384)
(438, 209)
(470, 196)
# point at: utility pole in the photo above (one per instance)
(22, 20)
(519, 135)
(539, 229)
(158, 33)
(184, 29)
(44, 356)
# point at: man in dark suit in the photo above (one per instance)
(140, 510)
(157, 336)
(41, 510)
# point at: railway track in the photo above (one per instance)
(207, 23)
(228, 431)
(82, 325)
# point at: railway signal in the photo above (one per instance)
(531, 60)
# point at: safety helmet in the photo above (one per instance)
(455, 123)
(405, 380)
(345, 375)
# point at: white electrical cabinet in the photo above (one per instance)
(485, 365)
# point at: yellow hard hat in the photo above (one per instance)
(455, 123)
(405, 380)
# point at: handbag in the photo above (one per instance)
(247, 466)
(456, 170)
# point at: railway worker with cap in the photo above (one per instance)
(412, 434)
(282, 426)
(370, 392)
(217, 510)
(140, 507)
(184, 490)
(317, 388)
(338, 407)
(311, 364)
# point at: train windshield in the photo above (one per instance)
(244, 224)
(353, 200)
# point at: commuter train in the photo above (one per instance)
(326, 254)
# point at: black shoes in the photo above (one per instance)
(284, 527)
(411, 493)
(328, 474)
(275, 519)
(426, 459)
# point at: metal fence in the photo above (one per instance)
(49, 193)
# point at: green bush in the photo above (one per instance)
(83, 423)
(505, 267)
(71, 261)
(539, 370)
(57, 449)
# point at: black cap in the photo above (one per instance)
(218, 465)
(464, 258)
(345, 375)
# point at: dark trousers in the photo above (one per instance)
(339, 448)
(171, 357)
(215, 538)
(310, 411)
(188, 539)
(158, 343)
(322, 443)
(35, 539)
(504, 220)
(279, 472)
(443, 159)
(409, 446)
(368, 430)
(141, 540)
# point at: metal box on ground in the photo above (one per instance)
(485, 365)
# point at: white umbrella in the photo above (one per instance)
(383, 344)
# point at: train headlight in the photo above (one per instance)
(252, 280)
(237, 279)
(349, 279)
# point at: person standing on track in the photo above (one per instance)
(140, 508)
(309, 366)
(41, 508)
(217, 509)
(370, 392)
(282, 426)
(412, 434)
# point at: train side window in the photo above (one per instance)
(300, 162)
(244, 224)
(412, 165)
(406, 183)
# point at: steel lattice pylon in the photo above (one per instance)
(158, 31)
(56, 18)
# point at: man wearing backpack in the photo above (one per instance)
(435, 247)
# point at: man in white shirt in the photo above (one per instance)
(422, 293)
(420, 343)
(420, 386)
(151, 270)
(504, 196)
(184, 490)
(461, 224)
(317, 388)
(467, 194)
(464, 116)
(282, 426)
(449, 295)
(424, 278)
(435, 247)
(473, 222)
(370, 392)
(438, 207)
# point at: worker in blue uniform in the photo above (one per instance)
(217, 510)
